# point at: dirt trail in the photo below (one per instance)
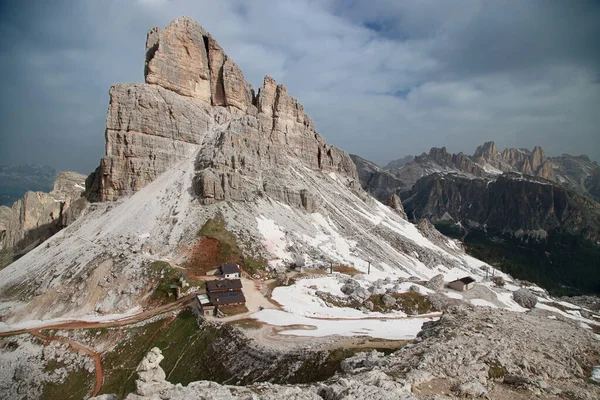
(106, 324)
(78, 346)
(91, 325)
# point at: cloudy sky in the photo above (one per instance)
(380, 78)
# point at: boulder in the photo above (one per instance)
(388, 300)
(364, 360)
(517, 380)
(525, 298)
(473, 389)
(377, 289)
(436, 283)
(350, 286)
(360, 294)
(151, 377)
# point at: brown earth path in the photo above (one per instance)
(106, 324)
(77, 346)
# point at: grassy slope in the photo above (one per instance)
(229, 250)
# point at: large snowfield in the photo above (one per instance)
(384, 328)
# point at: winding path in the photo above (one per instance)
(71, 325)
(78, 346)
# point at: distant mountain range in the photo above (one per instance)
(518, 198)
(15, 181)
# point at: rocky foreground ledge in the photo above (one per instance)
(470, 352)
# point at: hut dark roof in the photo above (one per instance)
(229, 269)
(224, 285)
(466, 280)
(226, 298)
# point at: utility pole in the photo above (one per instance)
(369, 270)
(331, 267)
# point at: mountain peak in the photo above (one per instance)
(487, 150)
(194, 100)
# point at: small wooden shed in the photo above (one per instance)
(205, 305)
(462, 284)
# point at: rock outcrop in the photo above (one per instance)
(380, 183)
(524, 298)
(488, 162)
(196, 101)
(395, 204)
(39, 215)
(469, 350)
(17, 180)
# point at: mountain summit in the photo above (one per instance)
(193, 148)
(196, 97)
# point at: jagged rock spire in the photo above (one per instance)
(197, 101)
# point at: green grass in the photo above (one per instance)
(53, 365)
(78, 385)
(254, 265)
(215, 228)
(208, 352)
(496, 370)
(185, 346)
(410, 303)
(229, 249)
(345, 269)
(119, 365)
(164, 276)
(229, 311)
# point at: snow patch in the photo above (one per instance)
(274, 238)
(392, 329)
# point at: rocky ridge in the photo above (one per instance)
(508, 204)
(17, 180)
(575, 173)
(39, 215)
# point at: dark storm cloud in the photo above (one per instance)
(380, 78)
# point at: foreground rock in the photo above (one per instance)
(473, 352)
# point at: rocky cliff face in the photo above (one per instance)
(380, 183)
(39, 215)
(508, 204)
(195, 97)
(578, 172)
(512, 190)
